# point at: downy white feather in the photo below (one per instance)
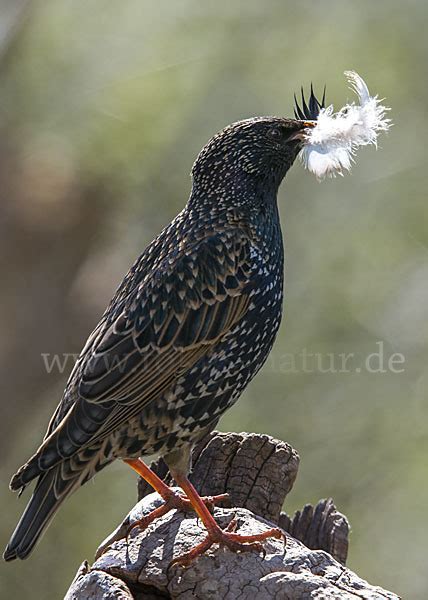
(332, 143)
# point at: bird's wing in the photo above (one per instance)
(173, 318)
(68, 400)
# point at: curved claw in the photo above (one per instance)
(232, 525)
(211, 501)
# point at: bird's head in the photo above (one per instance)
(254, 153)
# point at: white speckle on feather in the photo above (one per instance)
(332, 143)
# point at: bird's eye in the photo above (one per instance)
(276, 134)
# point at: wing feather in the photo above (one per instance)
(169, 322)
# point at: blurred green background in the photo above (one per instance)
(103, 108)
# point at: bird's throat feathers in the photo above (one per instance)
(228, 183)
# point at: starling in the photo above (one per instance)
(188, 328)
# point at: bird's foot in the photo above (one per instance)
(228, 538)
(176, 501)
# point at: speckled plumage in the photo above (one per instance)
(190, 325)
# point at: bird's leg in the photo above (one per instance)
(172, 499)
(150, 476)
(216, 535)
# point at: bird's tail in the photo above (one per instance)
(52, 488)
(45, 501)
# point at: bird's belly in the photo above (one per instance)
(201, 395)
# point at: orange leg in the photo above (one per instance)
(216, 535)
(172, 499)
(152, 479)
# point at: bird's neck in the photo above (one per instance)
(239, 202)
(234, 188)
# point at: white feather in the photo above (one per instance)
(332, 143)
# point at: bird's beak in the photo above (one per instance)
(302, 133)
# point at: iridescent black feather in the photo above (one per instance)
(311, 112)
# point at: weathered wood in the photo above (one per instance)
(257, 472)
(321, 527)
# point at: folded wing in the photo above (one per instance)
(170, 321)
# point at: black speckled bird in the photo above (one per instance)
(190, 325)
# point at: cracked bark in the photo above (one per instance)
(257, 472)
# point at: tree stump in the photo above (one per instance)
(257, 472)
